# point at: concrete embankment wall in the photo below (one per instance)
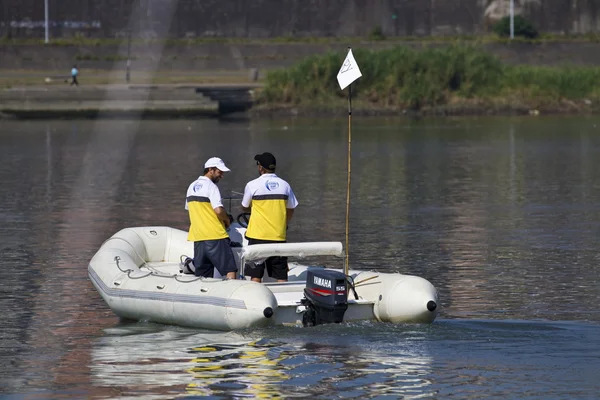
(273, 18)
(210, 57)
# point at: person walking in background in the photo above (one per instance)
(208, 223)
(74, 73)
(272, 203)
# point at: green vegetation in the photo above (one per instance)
(522, 27)
(404, 78)
(86, 57)
(118, 57)
(376, 34)
(110, 57)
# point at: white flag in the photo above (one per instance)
(349, 71)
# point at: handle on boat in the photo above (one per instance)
(350, 281)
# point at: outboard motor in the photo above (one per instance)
(326, 297)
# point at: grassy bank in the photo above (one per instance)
(449, 78)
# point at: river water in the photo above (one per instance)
(502, 215)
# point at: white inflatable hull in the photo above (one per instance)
(136, 272)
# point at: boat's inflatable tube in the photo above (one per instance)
(394, 297)
(136, 273)
(122, 272)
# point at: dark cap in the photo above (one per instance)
(267, 160)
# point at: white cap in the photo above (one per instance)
(216, 162)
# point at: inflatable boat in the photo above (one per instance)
(139, 273)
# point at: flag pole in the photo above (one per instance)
(349, 171)
(349, 72)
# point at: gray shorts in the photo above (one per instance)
(210, 254)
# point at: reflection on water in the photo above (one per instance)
(464, 358)
(145, 359)
(245, 370)
(142, 358)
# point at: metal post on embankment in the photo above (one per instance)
(128, 72)
(46, 22)
(512, 19)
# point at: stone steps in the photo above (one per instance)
(154, 100)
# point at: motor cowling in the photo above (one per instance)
(325, 297)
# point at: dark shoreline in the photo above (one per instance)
(286, 111)
(275, 112)
(187, 101)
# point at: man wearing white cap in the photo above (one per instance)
(208, 223)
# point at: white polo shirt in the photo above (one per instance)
(269, 196)
(203, 196)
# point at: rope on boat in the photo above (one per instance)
(144, 262)
(154, 272)
(197, 278)
(129, 271)
(353, 284)
(366, 279)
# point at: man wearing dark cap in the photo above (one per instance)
(272, 203)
